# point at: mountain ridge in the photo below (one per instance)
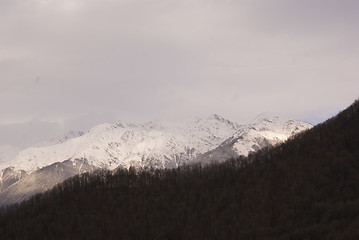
(110, 143)
(305, 188)
(149, 145)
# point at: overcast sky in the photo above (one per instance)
(71, 64)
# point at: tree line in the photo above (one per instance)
(306, 188)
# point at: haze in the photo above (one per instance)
(71, 64)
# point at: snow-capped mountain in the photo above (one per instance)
(18, 186)
(153, 144)
(265, 130)
(144, 145)
(58, 140)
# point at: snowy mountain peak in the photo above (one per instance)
(149, 144)
(216, 117)
(121, 124)
(266, 129)
(273, 122)
(268, 117)
(155, 124)
(154, 143)
(62, 139)
(216, 121)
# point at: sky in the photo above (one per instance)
(71, 64)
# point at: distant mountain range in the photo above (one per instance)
(305, 188)
(150, 145)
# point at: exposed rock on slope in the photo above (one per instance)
(265, 130)
(42, 180)
(152, 144)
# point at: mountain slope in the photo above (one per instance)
(42, 180)
(265, 130)
(147, 145)
(305, 188)
(153, 144)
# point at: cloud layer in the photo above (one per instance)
(78, 62)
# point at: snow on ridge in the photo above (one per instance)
(66, 137)
(111, 145)
(266, 128)
(156, 143)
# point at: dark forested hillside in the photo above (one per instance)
(307, 188)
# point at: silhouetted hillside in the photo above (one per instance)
(306, 188)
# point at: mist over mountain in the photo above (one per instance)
(7, 152)
(98, 140)
(305, 188)
(150, 145)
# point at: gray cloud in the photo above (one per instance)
(77, 62)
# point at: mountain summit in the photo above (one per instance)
(152, 144)
(149, 145)
(155, 144)
(306, 188)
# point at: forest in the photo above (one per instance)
(305, 188)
